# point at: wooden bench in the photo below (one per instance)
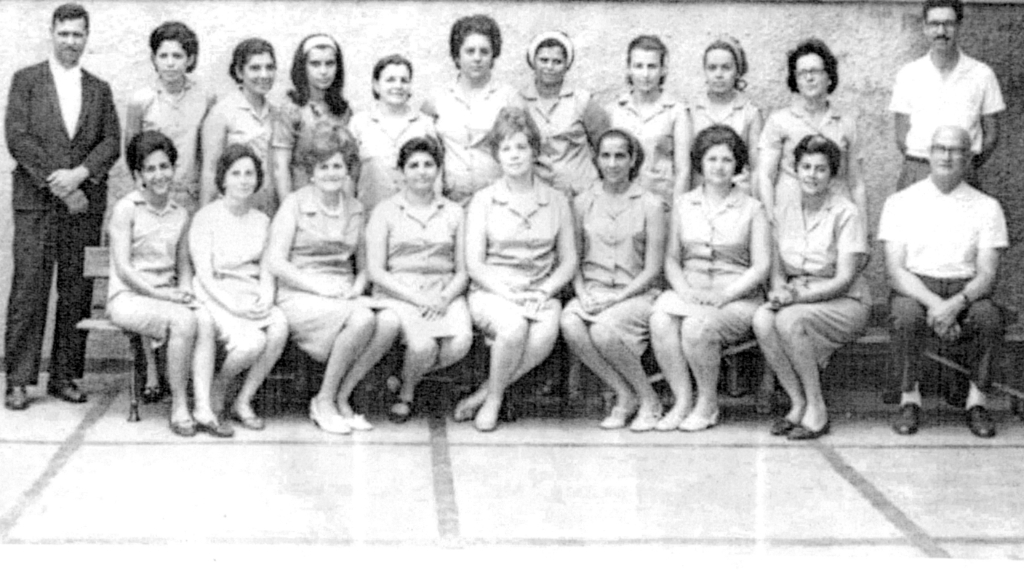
(97, 267)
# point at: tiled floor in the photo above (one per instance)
(83, 476)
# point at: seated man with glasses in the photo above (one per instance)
(944, 87)
(942, 242)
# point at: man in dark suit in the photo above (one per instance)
(63, 132)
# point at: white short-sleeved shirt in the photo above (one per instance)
(943, 231)
(967, 92)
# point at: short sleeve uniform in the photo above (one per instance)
(740, 116)
(522, 232)
(155, 234)
(566, 161)
(294, 127)
(462, 125)
(714, 250)
(420, 246)
(324, 249)
(784, 130)
(235, 246)
(656, 130)
(379, 142)
(179, 117)
(809, 247)
(614, 248)
(246, 126)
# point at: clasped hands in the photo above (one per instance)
(531, 299)
(942, 317)
(65, 183)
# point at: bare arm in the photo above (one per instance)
(654, 252)
(201, 247)
(682, 135)
(753, 140)
(567, 258)
(989, 138)
(460, 281)
(282, 159)
(767, 171)
(846, 272)
(279, 246)
(901, 123)
(213, 142)
(673, 252)
(376, 262)
(121, 223)
(476, 251)
(760, 261)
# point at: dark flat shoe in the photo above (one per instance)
(16, 398)
(782, 427)
(66, 391)
(183, 429)
(803, 433)
(217, 429)
(254, 423)
(980, 422)
(152, 394)
(909, 419)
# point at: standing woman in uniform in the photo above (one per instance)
(813, 75)
(384, 128)
(724, 103)
(520, 252)
(417, 262)
(620, 237)
(316, 102)
(244, 116)
(174, 105)
(660, 123)
(569, 118)
(465, 109)
(719, 255)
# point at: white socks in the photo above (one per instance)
(975, 397)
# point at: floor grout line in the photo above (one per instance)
(914, 533)
(56, 464)
(444, 483)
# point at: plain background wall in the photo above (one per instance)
(871, 39)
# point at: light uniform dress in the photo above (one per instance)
(614, 249)
(294, 127)
(809, 249)
(379, 142)
(154, 248)
(714, 250)
(235, 246)
(462, 125)
(244, 125)
(178, 116)
(324, 248)
(784, 130)
(740, 116)
(522, 249)
(657, 132)
(421, 255)
(566, 161)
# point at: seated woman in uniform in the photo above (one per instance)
(150, 288)
(569, 118)
(520, 252)
(417, 263)
(818, 301)
(226, 241)
(317, 253)
(718, 257)
(620, 234)
(381, 130)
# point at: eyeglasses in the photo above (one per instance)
(809, 73)
(943, 150)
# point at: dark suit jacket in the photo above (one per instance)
(40, 145)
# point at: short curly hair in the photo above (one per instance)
(820, 49)
(180, 33)
(146, 143)
(425, 144)
(245, 50)
(512, 120)
(232, 154)
(476, 24)
(718, 135)
(636, 151)
(815, 144)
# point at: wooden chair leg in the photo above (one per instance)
(765, 401)
(141, 363)
(732, 377)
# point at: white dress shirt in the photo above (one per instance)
(69, 93)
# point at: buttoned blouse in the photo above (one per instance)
(739, 115)
(714, 242)
(810, 244)
(614, 234)
(566, 161)
(462, 125)
(246, 126)
(155, 234)
(787, 126)
(294, 127)
(178, 116)
(326, 238)
(522, 232)
(657, 132)
(420, 241)
(379, 176)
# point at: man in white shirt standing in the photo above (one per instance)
(63, 132)
(945, 87)
(942, 242)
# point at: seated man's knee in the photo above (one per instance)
(985, 317)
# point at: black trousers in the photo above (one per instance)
(43, 239)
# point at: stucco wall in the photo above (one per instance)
(871, 39)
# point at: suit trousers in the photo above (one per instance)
(42, 239)
(981, 325)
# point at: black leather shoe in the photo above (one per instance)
(980, 422)
(804, 433)
(16, 398)
(909, 419)
(67, 391)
